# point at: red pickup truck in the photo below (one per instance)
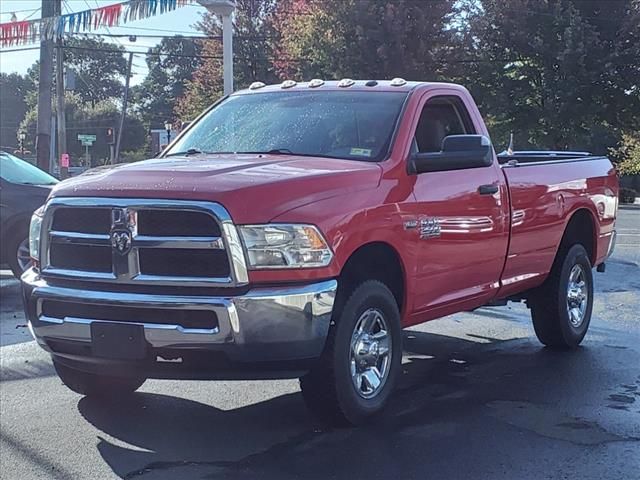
(293, 230)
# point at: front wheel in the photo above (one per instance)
(92, 385)
(561, 308)
(361, 362)
(19, 258)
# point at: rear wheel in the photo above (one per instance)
(92, 385)
(358, 369)
(561, 308)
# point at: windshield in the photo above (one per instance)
(16, 170)
(352, 125)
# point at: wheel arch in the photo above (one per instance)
(581, 228)
(376, 260)
(9, 230)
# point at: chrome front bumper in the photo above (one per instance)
(263, 325)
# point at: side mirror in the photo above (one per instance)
(458, 152)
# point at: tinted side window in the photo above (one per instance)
(440, 117)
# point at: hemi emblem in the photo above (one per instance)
(429, 228)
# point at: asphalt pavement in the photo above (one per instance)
(480, 398)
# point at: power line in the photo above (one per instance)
(149, 29)
(201, 37)
(151, 53)
(20, 11)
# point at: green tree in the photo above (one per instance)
(99, 68)
(14, 90)
(352, 38)
(171, 67)
(84, 118)
(554, 72)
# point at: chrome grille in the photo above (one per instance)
(141, 241)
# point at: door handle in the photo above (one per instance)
(487, 189)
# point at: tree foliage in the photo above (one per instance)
(14, 89)
(170, 69)
(83, 118)
(352, 38)
(556, 72)
(627, 154)
(99, 68)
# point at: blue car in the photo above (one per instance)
(23, 188)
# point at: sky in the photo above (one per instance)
(179, 21)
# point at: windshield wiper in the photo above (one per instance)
(273, 151)
(186, 153)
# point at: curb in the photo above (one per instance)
(629, 206)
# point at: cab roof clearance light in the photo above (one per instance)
(346, 82)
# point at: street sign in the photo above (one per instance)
(87, 143)
(86, 138)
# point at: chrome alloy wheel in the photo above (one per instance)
(370, 354)
(577, 295)
(23, 255)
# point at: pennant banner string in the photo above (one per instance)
(51, 28)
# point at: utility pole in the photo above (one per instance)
(225, 9)
(43, 129)
(124, 109)
(60, 109)
(227, 51)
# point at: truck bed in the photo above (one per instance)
(546, 188)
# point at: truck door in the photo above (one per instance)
(461, 218)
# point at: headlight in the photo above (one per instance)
(285, 246)
(34, 233)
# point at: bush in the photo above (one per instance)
(627, 155)
(134, 155)
(627, 195)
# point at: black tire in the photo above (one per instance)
(549, 304)
(328, 389)
(13, 244)
(92, 385)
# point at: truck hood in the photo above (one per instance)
(253, 188)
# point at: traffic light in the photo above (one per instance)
(110, 135)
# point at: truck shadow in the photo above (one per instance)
(444, 401)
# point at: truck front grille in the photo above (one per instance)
(183, 263)
(87, 258)
(141, 242)
(177, 223)
(82, 220)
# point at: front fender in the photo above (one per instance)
(348, 222)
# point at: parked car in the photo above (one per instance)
(293, 230)
(23, 188)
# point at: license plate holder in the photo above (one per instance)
(118, 341)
